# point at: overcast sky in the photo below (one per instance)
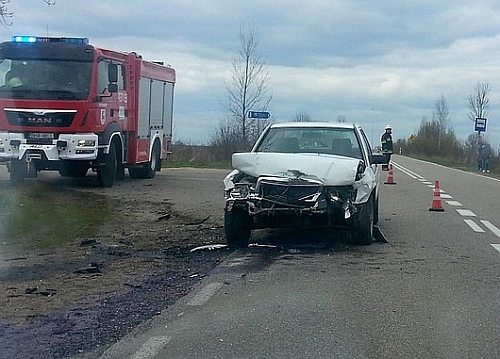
(373, 62)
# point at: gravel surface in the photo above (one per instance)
(75, 301)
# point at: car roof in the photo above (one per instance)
(314, 124)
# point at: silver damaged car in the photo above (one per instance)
(304, 174)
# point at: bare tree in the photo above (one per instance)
(247, 89)
(440, 116)
(479, 101)
(341, 119)
(302, 116)
(6, 15)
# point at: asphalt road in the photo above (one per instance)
(431, 292)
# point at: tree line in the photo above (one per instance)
(247, 90)
(435, 138)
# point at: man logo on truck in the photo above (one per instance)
(39, 120)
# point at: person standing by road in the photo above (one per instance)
(484, 157)
(387, 146)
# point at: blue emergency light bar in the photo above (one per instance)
(66, 40)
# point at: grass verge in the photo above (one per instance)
(197, 164)
(40, 216)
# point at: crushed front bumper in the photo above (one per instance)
(275, 202)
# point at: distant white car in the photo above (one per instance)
(304, 174)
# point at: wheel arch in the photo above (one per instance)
(112, 135)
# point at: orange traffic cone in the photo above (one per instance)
(390, 178)
(436, 199)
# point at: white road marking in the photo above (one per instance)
(491, 227)
(475, 227)
(463, 212)
(466, 213)
(151, 348)
(406, 171)
(205, 294)
(496, 246)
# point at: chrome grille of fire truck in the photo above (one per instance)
(42, 118)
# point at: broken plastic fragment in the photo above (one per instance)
(209, 247)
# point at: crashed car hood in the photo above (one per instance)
(331, 170)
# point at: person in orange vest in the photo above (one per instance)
(387, 146)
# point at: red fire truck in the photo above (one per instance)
(68, 106)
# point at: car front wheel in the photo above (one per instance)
(237, 227)
(362, 225)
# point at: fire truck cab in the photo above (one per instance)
(68, 106)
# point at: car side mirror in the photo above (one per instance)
(378, 159)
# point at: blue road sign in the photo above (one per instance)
(258, 114)
(480, 125)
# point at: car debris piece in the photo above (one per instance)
(209, 247)
(195, 223)
(47, 292)
(88, 242)
(258, 245)
(164, 216)
(91, 268)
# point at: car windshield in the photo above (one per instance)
(45, 79)
(331, 141)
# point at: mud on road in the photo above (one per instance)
(76, 300)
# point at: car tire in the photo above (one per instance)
(362, 225)
(237, 228)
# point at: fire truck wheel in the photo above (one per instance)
(148, 169)
(17, 172)
(155, 163)
(106, 174)
(74, 169)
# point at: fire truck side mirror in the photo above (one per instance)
(112, 78)
(112, 87)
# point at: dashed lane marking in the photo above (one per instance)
(496, 246)
(151, 348)
(491, 227)
(205, 294)
(466, 213)
(463, 212)
(474, 226)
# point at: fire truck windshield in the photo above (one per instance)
(45, 79)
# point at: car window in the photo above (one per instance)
(332, 141)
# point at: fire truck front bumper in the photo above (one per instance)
(64, 147)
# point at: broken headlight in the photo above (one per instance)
(240, 191)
